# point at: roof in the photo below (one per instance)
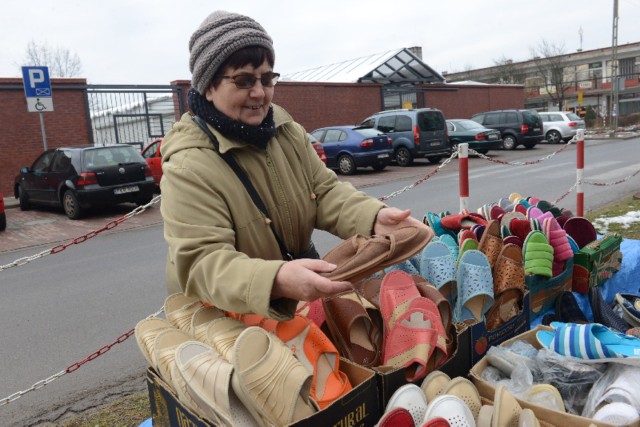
(393, 66)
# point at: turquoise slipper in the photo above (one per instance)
(438, 266)
(475, 287)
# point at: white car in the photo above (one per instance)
(560, 126)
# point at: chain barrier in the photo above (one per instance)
(423, 179)
(607, 184)
(530, 162)
(83, 238)
(74, 367)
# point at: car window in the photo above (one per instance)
(450, 127)
(43, 162)
(61, 163)
(403, 123)
(469, 124)
(368, 123)
(333, 135)
(150, 152)
(478, 118)
(530, 117)
(572, 116)
(556, 118)
(493, 119)
(430, 121)
(317, 134)
(111, 156)
(511, 118)
(544, 117)
(387, 124)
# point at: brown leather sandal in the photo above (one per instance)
(491, 242)
(361, 256)
(356, 335)
(508, 287)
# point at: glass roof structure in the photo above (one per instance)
(393, 67)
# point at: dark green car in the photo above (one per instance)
(478, 137)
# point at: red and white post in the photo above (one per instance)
(463, 175)
(579, 172)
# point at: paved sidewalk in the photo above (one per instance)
(50, 226)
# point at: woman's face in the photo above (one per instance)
(250, 106)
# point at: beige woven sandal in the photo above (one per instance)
(270, 380)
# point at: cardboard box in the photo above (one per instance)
(545, 415)
(391, 379)
(480, 339)
(597, 262)
(545, 291)
(359, 407)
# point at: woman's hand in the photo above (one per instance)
(390, 219)
(299, 280)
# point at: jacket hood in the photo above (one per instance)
(187, 134)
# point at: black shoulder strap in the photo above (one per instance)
(227, 157)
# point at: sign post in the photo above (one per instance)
(37, 89)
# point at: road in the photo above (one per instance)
(58, 310)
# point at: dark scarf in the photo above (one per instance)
(258, 136)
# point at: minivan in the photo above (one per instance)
(518, 127)
(416, 133)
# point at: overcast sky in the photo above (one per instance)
(146, 42)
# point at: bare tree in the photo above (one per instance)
(507, 72)
(551, 69)
(61, 61)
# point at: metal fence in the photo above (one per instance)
(132, 114)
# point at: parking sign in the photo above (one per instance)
(37, 88)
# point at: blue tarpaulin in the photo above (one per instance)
(626, 281)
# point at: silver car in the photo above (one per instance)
(560, 126)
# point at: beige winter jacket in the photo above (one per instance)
(221, 249)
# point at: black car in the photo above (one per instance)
(77, 178)
(517, 127)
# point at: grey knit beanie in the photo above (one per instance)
(218, 37)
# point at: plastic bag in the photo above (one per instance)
(618, 384)
(513, 365)
(572, 378)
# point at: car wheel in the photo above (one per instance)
(482, 151)
(434, 159)
(379, 167)
(553, 137)
(24, 199)
(71, 206)
(403, 157)
(3, 221)
(509, 142)
(346, 165)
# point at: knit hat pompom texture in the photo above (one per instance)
(218, 37)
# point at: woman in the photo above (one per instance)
(222, 248)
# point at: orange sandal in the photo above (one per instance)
(314, 350)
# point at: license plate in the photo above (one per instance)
(124, 190)
(536, 129)
(434, 143)
(493, 136)
(383, 156)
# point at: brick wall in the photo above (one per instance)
(20, 131)
(463, 101)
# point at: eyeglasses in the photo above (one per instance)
(247, 81)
